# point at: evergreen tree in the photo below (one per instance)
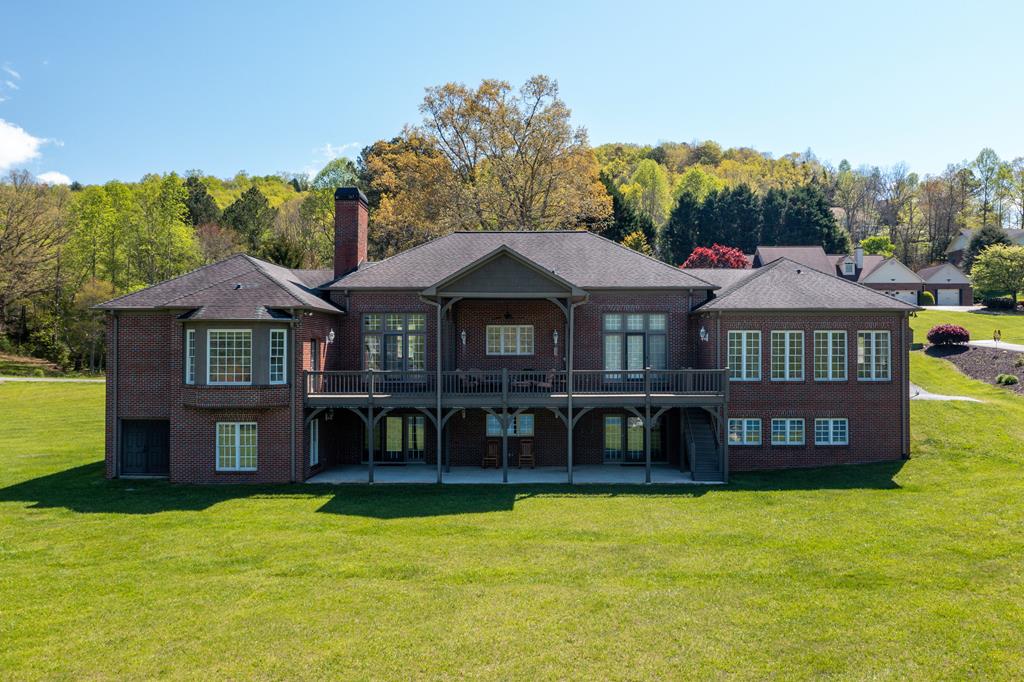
(680, 234)
(773, 218)
(625, 218)
(809, 221)
(202, 209)
(981, 240)
(251, 217)
(740, 215)
(638, 242)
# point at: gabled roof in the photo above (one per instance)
(238, 288)
(811, 256)
(585, 259)
(869, 263)
(890, 271)
(721, 277)
(787, 285)
(943, 273)
(518, 274)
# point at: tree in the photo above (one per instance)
(515, 160)
(638, 242)
(988, 235)
(1014, 183)
(878, 245)
(625, 218)
(999, 268)
(251, 217)
(160, 244)
(202, 209)
(801, 217)
(217, 243)
(649, 191)
(717, 256)
(681, 233)
(316, 210)
(986, 168)
(282, 250)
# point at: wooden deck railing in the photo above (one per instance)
(516, 383)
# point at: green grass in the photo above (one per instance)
(899, 570)
(979, 324)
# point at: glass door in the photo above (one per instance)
(393, 451)
(635, 356)
(416, 438)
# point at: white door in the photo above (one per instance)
(904, 295)
(948, 297)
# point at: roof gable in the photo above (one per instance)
(944, 273)
(503, 272)
(891, 271)
(811, 256)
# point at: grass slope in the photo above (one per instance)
(908, 569)
(980, 325)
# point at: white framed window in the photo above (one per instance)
(278, 350)
(634, 341)
(510, 339)
(829, 355)
(873, 355)
(521, 426)
(787, 432)
(190, 356)
(229, 356)
(236, 446)
(744, 431)
(787, 356)
(849, 268)
(314, 442)
(831, 431)
(395, 341)
(745, 356)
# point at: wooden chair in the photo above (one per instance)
(492, 454)
(526, 453)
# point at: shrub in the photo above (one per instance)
(998, 303)
(1006, 380)
(926, 298)
(1019, 362)
(37, 372)
(948, 334)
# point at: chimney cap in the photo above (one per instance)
(349, 194)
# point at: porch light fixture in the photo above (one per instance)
(330, 337)
(462, 335)
(554, 338)
(704, 335)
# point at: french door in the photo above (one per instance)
(401, 439)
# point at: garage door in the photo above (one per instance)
(144, 446)
(905, 296)
(948, 297)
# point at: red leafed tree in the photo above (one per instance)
(718, 256)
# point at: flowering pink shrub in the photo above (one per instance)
(948, 334)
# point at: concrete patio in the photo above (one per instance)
(608, 474)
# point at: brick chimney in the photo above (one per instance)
(351, 219)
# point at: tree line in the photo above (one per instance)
(489, 157)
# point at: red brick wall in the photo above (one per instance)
(877, 423)
(351, 221)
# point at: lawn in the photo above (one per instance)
(979, 324)
(902, 570)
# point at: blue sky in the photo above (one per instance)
(97, 91)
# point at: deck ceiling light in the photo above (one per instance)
(462, 335)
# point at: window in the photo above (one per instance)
(624, 439)
(510, 339)
(787, 356)
(236, 446)
(849, 268)
(873, 356)
(745, 356)
(520, 427)
(744, 432)
(787, 432)
(399, 438)
(278, 343)
(613, 437)
(831, 432)
(395, 341)
(830, 356)
(633, 341)
(314, 442)
(229, 356)
(190, 356)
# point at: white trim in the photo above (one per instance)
(208, 344)
(190, 357)
(284, 356)
(790, 421)
(832, 421)
(787, 356)
(831, 348)
(519, 344)
(743, 354)
(874, 365)
(237, 445)
(744, 424)
(514, 428)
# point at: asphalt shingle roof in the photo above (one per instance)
(238, 288)
(721, 277)
(811, 256)
(582, 258)
(787, 285)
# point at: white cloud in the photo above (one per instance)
(329, 152)
(12, 85)
(54, 178)
(16, 145)
(11, 72)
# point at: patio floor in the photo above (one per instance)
(417, 473)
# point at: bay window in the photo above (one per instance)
(190, 356)
(229, 356)
(278, 344)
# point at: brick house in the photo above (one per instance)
(556, 352)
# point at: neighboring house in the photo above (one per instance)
(948, 284)
(887, 275)
(552, 349)
(957, 249)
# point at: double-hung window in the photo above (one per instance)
(873, 356)
(633, 341)
(236, 446)
(521, 426)
(395, 341)
(229, 356)
(787, 356)
(744, 356)
(510, 339)
(787, 432)
(744, 431)
(278, 348)
(830, 356)
(314, 442)
(190, 356)
(831, 432)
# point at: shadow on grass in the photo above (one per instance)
(84, 490)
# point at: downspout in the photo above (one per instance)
(905, 388)
(117, 412)
(294, 387)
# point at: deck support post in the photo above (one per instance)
(370, 424)
(569, 424)
(504, 424)
(438, 423)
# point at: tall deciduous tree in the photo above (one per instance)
(625, 218)
(716, 256)
(987, 236)
(986, 169)
(649, 191)
(999, 268)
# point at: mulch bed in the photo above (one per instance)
(983, 364)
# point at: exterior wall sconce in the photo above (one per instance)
(554, 338)
(704, 335)
(462, 335)
(330, 337)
